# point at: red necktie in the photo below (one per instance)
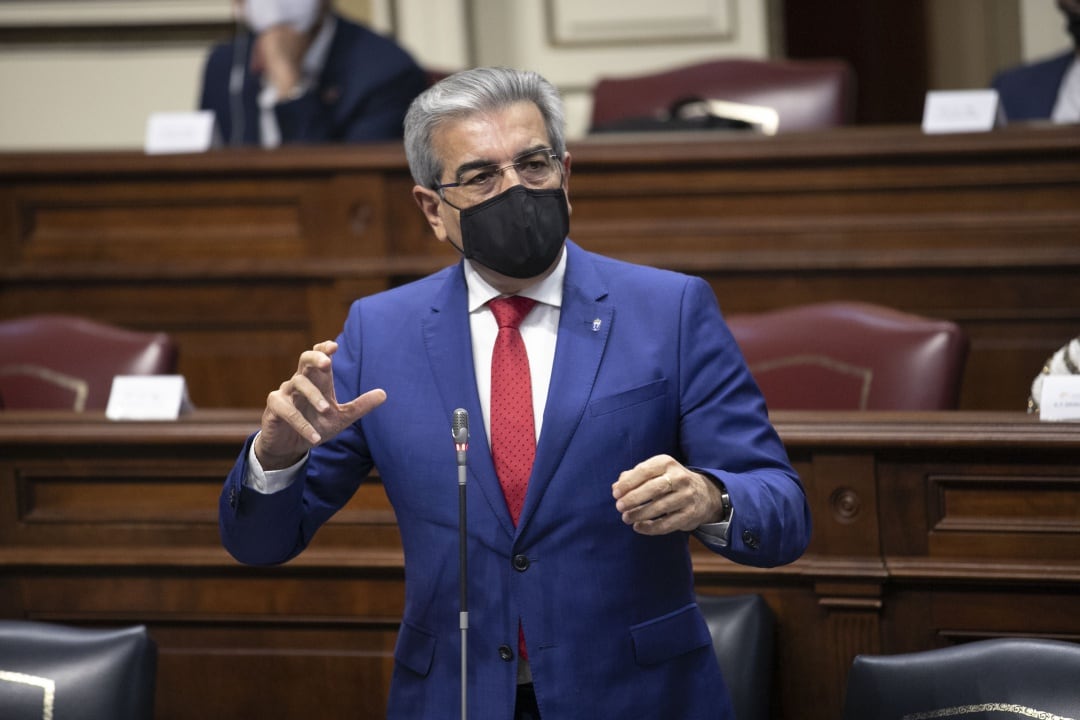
(513, 430)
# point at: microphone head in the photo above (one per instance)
(459, 427)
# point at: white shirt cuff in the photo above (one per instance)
(268, 482)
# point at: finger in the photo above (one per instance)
(648, 492)
(282, 405)
(641, 473)
(361, 405)
(658, 506)
(659, 526)
(326, 347)
(302, 388)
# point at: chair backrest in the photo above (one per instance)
(742, 629)
(55, 671)
(852, 356)
(52, 362)
(806, 94)
(1005, 677)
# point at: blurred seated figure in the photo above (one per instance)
(806, 94)
(1047, 90)
(59, 362)
(1065, 361)
(852, 356)
(297, 72)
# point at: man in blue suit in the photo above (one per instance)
(298, 73)
(648, 428)
(1046, 90)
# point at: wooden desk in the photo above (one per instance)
(930, 529)
(248, 256)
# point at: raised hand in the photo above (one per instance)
(304, 411)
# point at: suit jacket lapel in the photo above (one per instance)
(584, 324)
(448, 342)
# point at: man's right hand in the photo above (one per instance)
(304, 411)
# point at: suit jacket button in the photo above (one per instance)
(505, 653)
(521, 563)
(750, 539)
(232, 496)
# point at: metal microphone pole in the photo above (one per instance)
(460, 431)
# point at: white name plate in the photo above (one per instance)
(954, 111)
(147, 397)
(1060, 398)
(180, 132)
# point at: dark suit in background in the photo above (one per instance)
(361, 95)
(1029, 92)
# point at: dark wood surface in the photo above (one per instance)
(249, 257)
(929, 529)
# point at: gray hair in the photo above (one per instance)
(467, 93)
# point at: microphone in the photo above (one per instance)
(459, 429)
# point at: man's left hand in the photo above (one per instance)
(660, 496)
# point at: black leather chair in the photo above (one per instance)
(55, 671)
(742, 629)
(1000, 678)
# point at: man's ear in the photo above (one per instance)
(429, 202)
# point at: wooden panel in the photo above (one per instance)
(248, 257)
(929, 530)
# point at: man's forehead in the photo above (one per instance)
(493, 136)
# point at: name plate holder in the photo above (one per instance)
(180, 132)
(147, 397)
(957, 111)
(1060, 398)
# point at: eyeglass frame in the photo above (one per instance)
(500, 170)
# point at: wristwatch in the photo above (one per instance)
(725, 505)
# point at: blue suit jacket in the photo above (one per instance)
(1029, 92)
(644, 364)
(362, 94)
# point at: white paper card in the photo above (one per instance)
(147, 397)
(180, 132)
(1060, 398)
(951, 111)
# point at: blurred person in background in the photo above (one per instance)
(1047, 90)
(297, 72)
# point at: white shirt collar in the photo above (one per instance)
(547, 291)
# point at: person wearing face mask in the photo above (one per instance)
(1047, 90)
(296, 72)
(613, 418)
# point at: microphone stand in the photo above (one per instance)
(460, 431)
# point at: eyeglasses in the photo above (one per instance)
(535, 169)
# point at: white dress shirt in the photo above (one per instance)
(1067, 107)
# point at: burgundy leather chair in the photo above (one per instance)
(852, 356)
(996, 678)
(54, 362)
(807, 94)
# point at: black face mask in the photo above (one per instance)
(517, 233)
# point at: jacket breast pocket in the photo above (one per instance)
(628, 398)
(668, 636)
